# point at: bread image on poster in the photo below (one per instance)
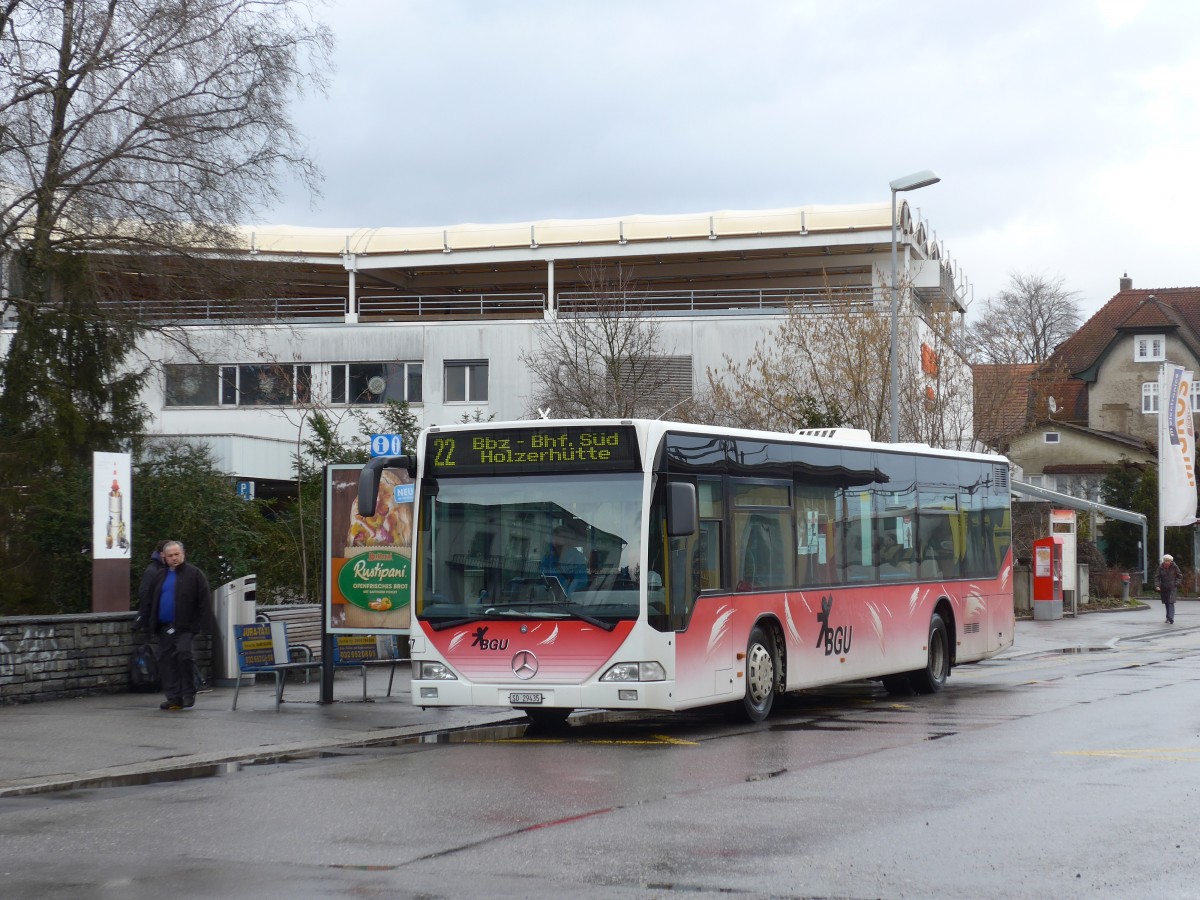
(374, 578)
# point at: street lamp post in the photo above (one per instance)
(907, 183)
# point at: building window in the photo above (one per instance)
(374, 383)
(1149, 348)
(1051, 437)
(190, 385)
(265, 385)
(466, 382)
(1150, 397)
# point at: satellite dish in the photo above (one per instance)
(1053, 406)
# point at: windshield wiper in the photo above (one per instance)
(561, 609)
(590, 619)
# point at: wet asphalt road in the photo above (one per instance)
(1068, 774)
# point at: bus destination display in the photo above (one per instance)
(527, 450)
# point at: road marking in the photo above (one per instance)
(656, 740)
(1190, 754)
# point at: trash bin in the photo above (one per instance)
(235, 605)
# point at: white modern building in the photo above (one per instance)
(440, 316)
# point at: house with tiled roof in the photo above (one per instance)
(1095, 401)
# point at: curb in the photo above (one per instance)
(179, 767)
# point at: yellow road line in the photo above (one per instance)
(1182, 753)
(657, 740)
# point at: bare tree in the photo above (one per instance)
(1024, 322)
(602, 357)
(153, 124)
(133, 134)
(827, 364)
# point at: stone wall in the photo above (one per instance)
(53, 657)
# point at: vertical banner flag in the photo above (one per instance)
(1176, 448)
(111, 533)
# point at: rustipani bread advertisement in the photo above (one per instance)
(367, 558)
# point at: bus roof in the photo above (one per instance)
(850, 438)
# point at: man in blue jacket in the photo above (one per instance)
(175, 609)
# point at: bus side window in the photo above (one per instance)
(761, 560)
(706, 558)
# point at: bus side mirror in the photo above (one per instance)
(682, 513)
(372, 472)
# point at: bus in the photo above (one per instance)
(694, 565)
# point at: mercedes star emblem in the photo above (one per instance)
(524, 665)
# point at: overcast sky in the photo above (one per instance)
(1066, 134)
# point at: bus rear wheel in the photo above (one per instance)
(760, 676)
(932, 678)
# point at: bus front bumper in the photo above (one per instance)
(625, 695)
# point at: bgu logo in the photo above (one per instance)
(836, 640)
(483, 642)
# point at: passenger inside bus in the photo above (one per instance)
(564, 561)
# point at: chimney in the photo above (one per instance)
(1126, 282)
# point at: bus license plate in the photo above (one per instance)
(524, 699)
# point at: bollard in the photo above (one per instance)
(1125, 587)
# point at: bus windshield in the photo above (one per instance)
(538, 546)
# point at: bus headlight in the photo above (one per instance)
(635, 671)
(434, 671)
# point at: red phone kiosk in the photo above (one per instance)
(1048, 577)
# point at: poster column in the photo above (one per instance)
(112, 531)
(368, 558)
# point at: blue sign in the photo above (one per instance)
(245, 490)
(403, 493)
(386, 445)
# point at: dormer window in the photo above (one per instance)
(1150, 348)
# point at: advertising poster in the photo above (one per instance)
(111, 531)
(367, 559)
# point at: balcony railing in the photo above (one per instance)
(200, 312)
(452, 306)
(414, 307)
(699, 302)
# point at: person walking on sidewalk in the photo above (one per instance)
(1167, 580)
(177, 607)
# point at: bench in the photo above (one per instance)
(303, 622)
(358, 651)
(263, 647)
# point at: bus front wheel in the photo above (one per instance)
(760, 676)
(932, 678)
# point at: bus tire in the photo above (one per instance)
(548, 717)
(932, 678)
(760, 675)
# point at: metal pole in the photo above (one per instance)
(892, 374)
(912, 182)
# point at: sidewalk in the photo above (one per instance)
(114, 738)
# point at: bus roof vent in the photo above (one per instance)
(1000, 475)
(843, 435)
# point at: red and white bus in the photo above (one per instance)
(699, 566)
